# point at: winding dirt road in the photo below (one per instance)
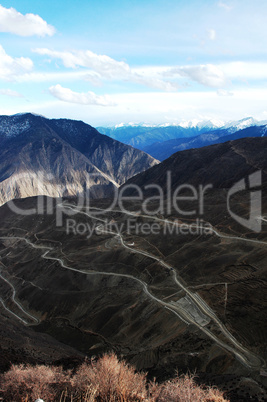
(242, 354)
(246, 357)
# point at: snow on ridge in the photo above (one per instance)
(12, 127)
(201, 124)
(234, 126)
(185, 124)
(195, 123)
(131, 124)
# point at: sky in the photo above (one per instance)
(134, 61)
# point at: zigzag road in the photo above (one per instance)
(247, 358)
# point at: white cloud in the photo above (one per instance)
(207, 74)
(212, 34)
(245, 70)
(10, 67)
(88, 98)
(10, 92)
(223, 92)
(24, 25)
(225, 6)
(153, 81)
(85, 75)
(238, 70)
(104, 67)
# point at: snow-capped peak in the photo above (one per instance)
(195, 123)
(132, 124)
(241, 124)
(234, 126)
(210, 124)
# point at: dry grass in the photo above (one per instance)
(111, 380)
(184, 389)
(29, 383)
(105, 380)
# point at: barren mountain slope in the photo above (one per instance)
(62, 157)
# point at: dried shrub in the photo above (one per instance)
(105, 380)
(184, 389)
(111, 380)
(29, 383)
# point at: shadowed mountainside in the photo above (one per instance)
(162, 298)
(62, 157)
(221, 165)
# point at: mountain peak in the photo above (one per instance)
(29, 113)
(195, 123)
(234, 126)
(77, 156)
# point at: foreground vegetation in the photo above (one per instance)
(106, 379)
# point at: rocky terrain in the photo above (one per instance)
(162, 298)
(62, 157)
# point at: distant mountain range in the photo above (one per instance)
(71, 156)
(142, 136)
(165, 149)
(164, 140)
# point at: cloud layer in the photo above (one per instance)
(10, 67)
(102, 64)
(207, 74)
(10, 92)
(106, 68)
(147, 63)
(24, 25)
(88, 98)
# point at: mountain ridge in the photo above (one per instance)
(75, 155)
(165, 149)
(161, 141)
(219, 164)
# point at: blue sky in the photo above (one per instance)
(109, 62)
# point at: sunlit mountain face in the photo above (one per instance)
(62, 157)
